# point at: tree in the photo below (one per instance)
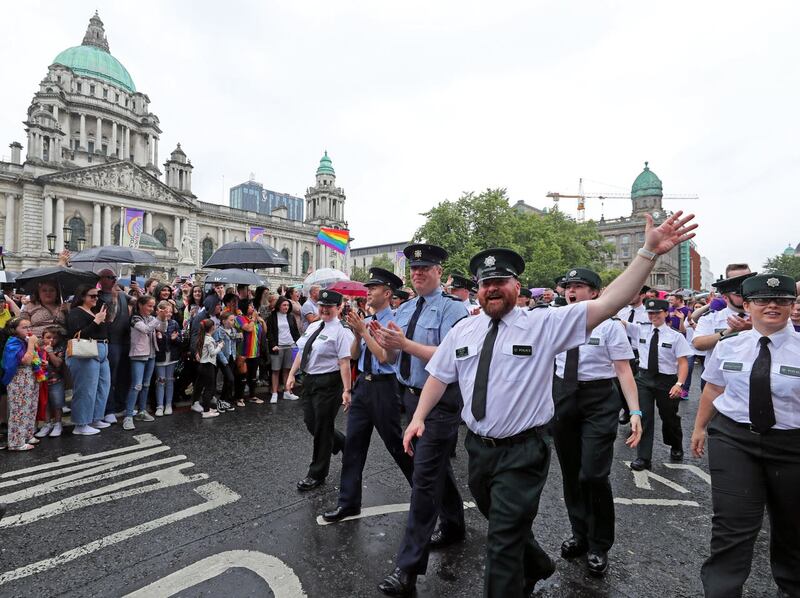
(379, 261)
(784, 264)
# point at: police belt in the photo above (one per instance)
(376, 377)
(509, 440)
(603, 383)
(791, 433)
(413, 390)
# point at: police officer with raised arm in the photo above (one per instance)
(502, 360)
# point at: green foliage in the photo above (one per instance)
(550, 243)
(783, 264)
(380, 261)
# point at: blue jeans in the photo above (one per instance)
(141, 372)
(55, 395)
(91, 379)
(120, 375)
(165, 384)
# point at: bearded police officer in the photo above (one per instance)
(420, 326)
(751, 406)
(502, 361)
(585, 425)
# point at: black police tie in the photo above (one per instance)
(367, 357)
(652, 355)
(630, 315)
(571, 368)
(307, 348)
(405, 358)
(482, 375)
(762, 413)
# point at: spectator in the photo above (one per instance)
(206, 355)
(45, 307)
(54, 348)
(226, 358)
(282, 334)
(8, 310)
(19, 361)
(143, 359)
(293, 295)
(310, 312)
(167, 356)
(119, 341)
(251, 325)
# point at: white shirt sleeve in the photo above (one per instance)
(682, 348)
(617, 343)
(566, 327)
(712, 372)
(442, 365)
(344, 340)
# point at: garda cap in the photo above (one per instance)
(423, 254)
(384, 277)
(583, 275)
(496, 263)
(523, 292)
(769, 286)
(732, 285)
(461, 282)
(401, 294)
(656, 305)
(329, 298)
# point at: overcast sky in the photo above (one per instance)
(417, 101)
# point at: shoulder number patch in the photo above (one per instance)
(593, 341)
(732, 366)
(462, 352)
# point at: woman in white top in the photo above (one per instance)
(206, 355)
(282, 334)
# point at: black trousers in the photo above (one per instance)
(374, 405)
(506, 482)
(248, 378)
(323, 397)
(749, 472)
(206, 384)
(584, 429)
(434, 492)
(654, 392)
(228, 380)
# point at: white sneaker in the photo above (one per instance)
(56, 431)
(66, 410)
(119, 414)
(210, 413)
(143, 416)
(127, 424)
(168, 410)
(159, 411)
(43, 431)
(110, 418)
(197, 407)
(274, 398)
(100, 424)
(290, 396)
(85, 430)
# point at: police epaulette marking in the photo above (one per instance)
(731, 335)
(538, 305)
(449, 296)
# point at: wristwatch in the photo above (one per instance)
(647, 254)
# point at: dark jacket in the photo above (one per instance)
(272, 329)
(168, 349)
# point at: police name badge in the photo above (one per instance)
(594, 341)
(788, 370)
(732, 366)
(525, 350)
(667, 345)
(462, 352)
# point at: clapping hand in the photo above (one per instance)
(357, 323)
(391, 337)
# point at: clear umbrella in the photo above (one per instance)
(236, 276)
(324, 277)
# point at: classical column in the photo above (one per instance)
(59, 224)
(155, 151)
(41, 147)
(98, 136)
(31, 150)
(220, 237)
(226, 236)
(83, 133)
(112, 146)
(126, 144)
(108, 226)
(97, 225)
(51, 149)
(148, 223)
(11, 219)
(149, 151)
(47, 219)
(176, 233)
(297, 263)
(68, 129)
(188, 181)
(55, 112)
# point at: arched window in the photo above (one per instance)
(285, 254)
(161, 235)
(115, 235)
(208, 249)
(306, 262)
(78, 231)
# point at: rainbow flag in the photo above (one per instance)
(132, 225)
(334, 238)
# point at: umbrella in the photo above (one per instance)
(349, 287)
(7, 276)
(324, 277)
(245, 254)
(67, 279)
(113, 254)
(236, 276)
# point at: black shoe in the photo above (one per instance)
(2, 510)
(439, 539)
(573, 547)
(339, 513)
(530, 582)
(640, 464)
(625, 418)
(309, 484)
(398, 583)
(676, 455)
(597, 562)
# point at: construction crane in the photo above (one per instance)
(582, 197)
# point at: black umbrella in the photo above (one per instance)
(236, 276)
(113, 254)
(246, 254)
(67, 279)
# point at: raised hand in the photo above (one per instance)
(670, 233)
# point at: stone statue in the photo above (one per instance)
(186, 252)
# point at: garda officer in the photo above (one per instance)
(750, 406)
(585, 425)
(324, 358)
(420, 326)
(399, 297)
(524, 298)
(663, 367)
(502, 361)
(461, 286)
(716, 324)
(634, 312)
(376, 403)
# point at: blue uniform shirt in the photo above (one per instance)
(439, 314)
(384, 317)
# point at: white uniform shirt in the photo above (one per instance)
(520, 393)
(731, 362)
(712, 323)
(671, 345)
(639, 317)
(332, 344)
(607, 343)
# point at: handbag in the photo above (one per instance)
(241, 364)
(82, 348)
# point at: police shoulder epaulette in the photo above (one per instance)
(449, 296)
(615, 318)
(731, 335)
(538, 305)
(346, 325)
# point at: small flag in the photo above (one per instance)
(132, 221)
(334, 238)
(256, 234)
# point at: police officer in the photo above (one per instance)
(716, 324)
(420, 326)
(399, 297)
(461, 286)
(524, 298)
(376, 403)
(585, 425)
(634, 312)
(663, 367)
(324, 357)
(751, 408)
(502, 361)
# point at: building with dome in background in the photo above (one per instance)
(93, 150)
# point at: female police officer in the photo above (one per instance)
(324, 356)
(751, 406)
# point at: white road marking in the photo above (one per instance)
(381, 510)
(659, 502)
(693, 468)
(642, 480)
(215, 494)
(281, 579)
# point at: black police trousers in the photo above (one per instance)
(748, 472)
(506, 482)
(584, 429)
(434, 492)
(654, 392)
(375, 405)
(323, 397)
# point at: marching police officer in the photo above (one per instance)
(398, 298)
(585, 425)
(663, 367)
(376, 403)
(420, 326)
(461, 286)
(634, 312)
(502, 361)
(324, 357)
(524, 298)
(716, 324)
(751, 408)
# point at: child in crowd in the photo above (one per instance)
(207, 350)
(54, 347)
(20, 359)
(226, 359)
(168, 353)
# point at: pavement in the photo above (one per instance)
(189, 507)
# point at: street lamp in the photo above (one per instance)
(67, 237)
(81, 243)
(51, 243)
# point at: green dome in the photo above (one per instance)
(91, 61)
(325, 166)
(789, 250)
(647, 184)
